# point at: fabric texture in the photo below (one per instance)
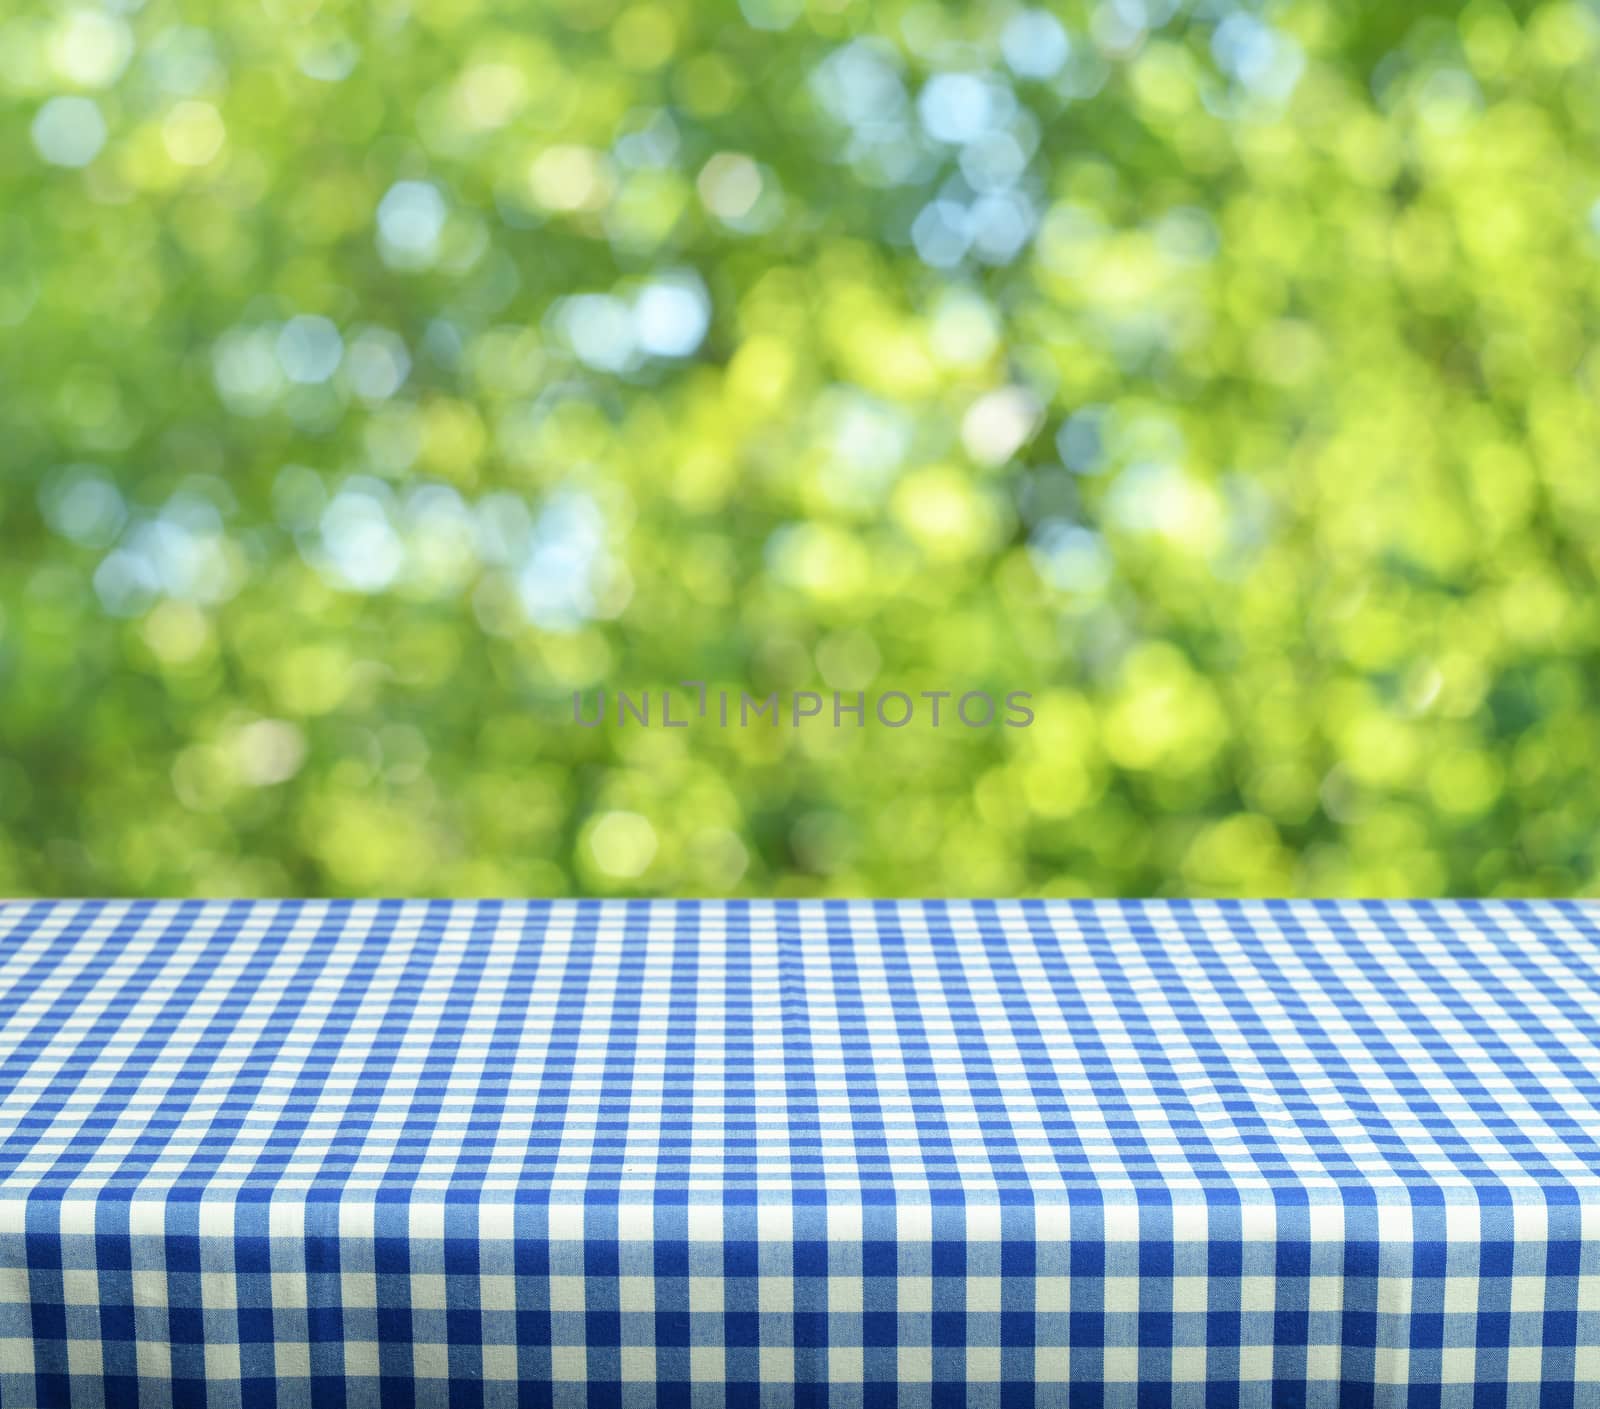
(773, 1153)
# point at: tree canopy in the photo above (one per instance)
(374, 376)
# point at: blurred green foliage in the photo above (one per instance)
(374, 375)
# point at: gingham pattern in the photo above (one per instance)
(799, 1153)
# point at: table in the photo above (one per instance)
(842, 1153)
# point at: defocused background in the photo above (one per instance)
(375, 374)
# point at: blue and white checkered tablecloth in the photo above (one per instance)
(974, 1153)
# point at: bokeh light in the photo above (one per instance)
(375, 376)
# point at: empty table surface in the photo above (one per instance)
(678, 1152)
